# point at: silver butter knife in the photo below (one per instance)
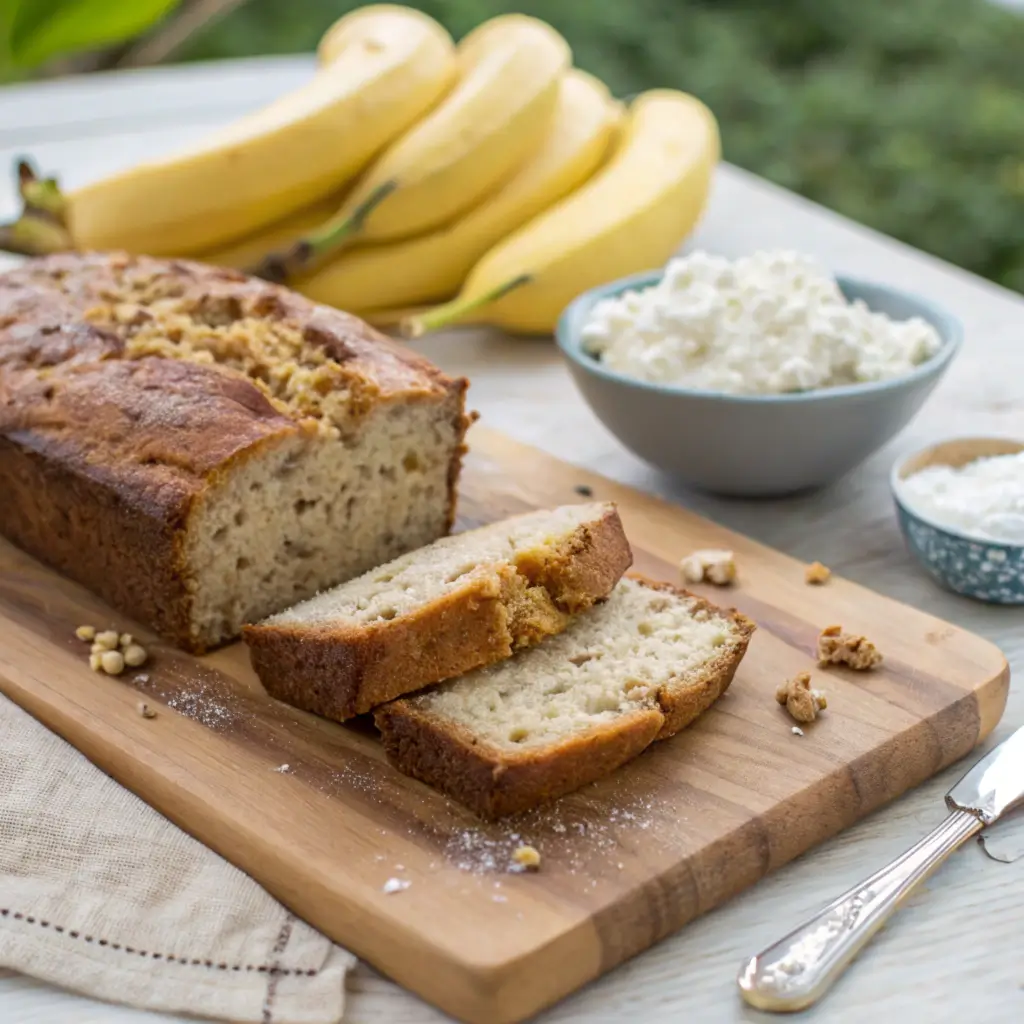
(798, 970)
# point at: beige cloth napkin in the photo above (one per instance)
(100, 894)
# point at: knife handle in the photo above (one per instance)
(798, 970)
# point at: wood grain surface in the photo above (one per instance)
(312, 811)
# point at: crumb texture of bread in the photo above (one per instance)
(457, 604)
(639, 667)
(191, 443)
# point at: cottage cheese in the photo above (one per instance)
(770, 323)
(984, 499)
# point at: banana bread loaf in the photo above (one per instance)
(459, 603)
(633, 670)
(203, 449)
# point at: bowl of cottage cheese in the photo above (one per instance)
(761, 376)
(960, 506)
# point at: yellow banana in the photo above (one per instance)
(431, 267)
(485, 128)
(247, 251)
(390, 66)
(630, 217)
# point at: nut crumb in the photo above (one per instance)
(135, 655)
(838, 648)
(86, 632)
(802, 703)
(112, 662)
(282, 768)
(797, 731)
(145, 710)
(393, 885)
(709, 566)
(142, 677)
(526, 858)
(107, 640)
(817, 574)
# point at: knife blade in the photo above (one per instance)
(800, 968)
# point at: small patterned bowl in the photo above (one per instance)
(991, 571)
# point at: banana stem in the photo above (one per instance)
(41, 227)
(307, 252)
(458, 309)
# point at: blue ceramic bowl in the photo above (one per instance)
(756, 446)
(985, 570)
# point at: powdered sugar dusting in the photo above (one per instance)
(567, 837)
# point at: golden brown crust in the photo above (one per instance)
(493, 781)
(107, 455)
(589, 562)
(340, 670)
(487, 780)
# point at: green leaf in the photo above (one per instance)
(41, 29)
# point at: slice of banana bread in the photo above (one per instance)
(203, 449)
(637, 668)
(462, 602)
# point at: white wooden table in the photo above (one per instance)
(955, 952)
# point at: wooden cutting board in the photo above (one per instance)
(312, 811)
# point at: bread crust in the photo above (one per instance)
(493, 782)
(340, 671)
(108, 456)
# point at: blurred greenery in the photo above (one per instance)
(906, 115)
(33, 31)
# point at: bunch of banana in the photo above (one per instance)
(489, 182)
(432, 266)
(388, 66)
(630, 217)
(497, 115)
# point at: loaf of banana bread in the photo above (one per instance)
(203, 449)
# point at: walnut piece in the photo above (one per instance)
(145, 710)
(838, 648)
(816, 574)
(709, 566)
(802, 703)
(526, 858)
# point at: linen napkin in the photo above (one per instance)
(101, 894)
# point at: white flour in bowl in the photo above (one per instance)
(771, 323)
(983, 499)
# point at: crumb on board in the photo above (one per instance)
(107, 640)
(142, 677)
(145, 709)
(817, 574)
(112, 662)
(797, 731)
(709, 566)
(584, 490)
(526, 858)
(282, 768)
(112, 651)
(393, 885)
(801, 701)
(135, 655)
(838, 648)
